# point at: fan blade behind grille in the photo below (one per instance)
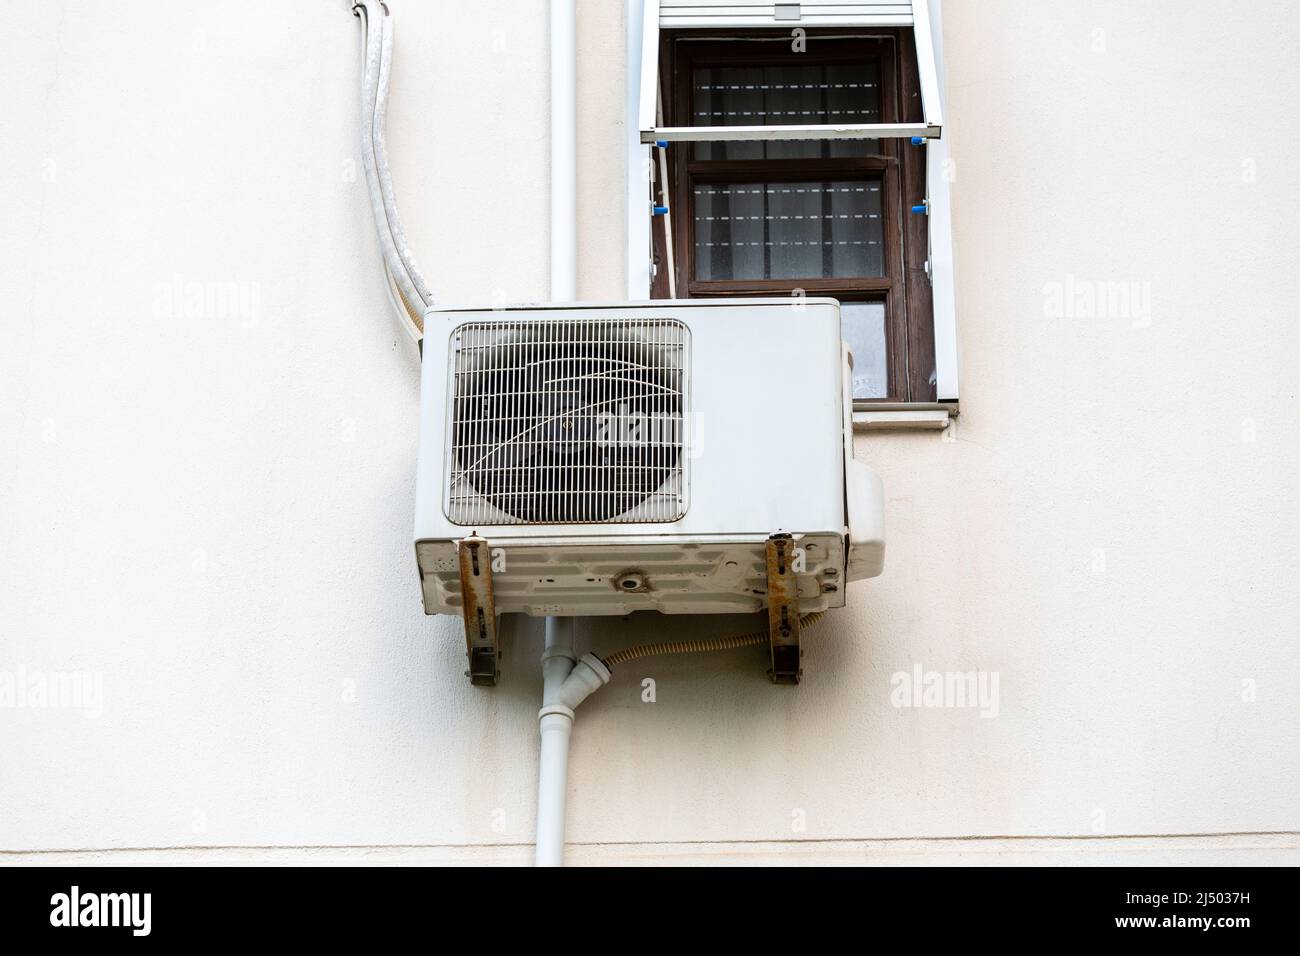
(568, 421)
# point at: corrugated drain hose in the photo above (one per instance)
(707, 644)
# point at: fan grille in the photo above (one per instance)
(563, 421)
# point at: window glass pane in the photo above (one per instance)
(797, 230)
(863, 327)
(798, 95)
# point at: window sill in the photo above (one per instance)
(909, 417)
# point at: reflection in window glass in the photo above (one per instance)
(863, 327)
(800, 95)
(788, 230)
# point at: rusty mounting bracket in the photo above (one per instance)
(783, 610)
(475, 558)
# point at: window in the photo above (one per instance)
(823, 213)
(746, 100)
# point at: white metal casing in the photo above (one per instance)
(769, 445)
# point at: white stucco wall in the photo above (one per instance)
(206, 499)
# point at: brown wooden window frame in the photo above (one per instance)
(899, 166)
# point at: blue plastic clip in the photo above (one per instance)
(918, 140)
(661, 210)
(921, 208)
(661, 143)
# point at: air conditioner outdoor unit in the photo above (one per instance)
(689, 457)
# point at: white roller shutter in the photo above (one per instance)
(745, 14)
(676, 14)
